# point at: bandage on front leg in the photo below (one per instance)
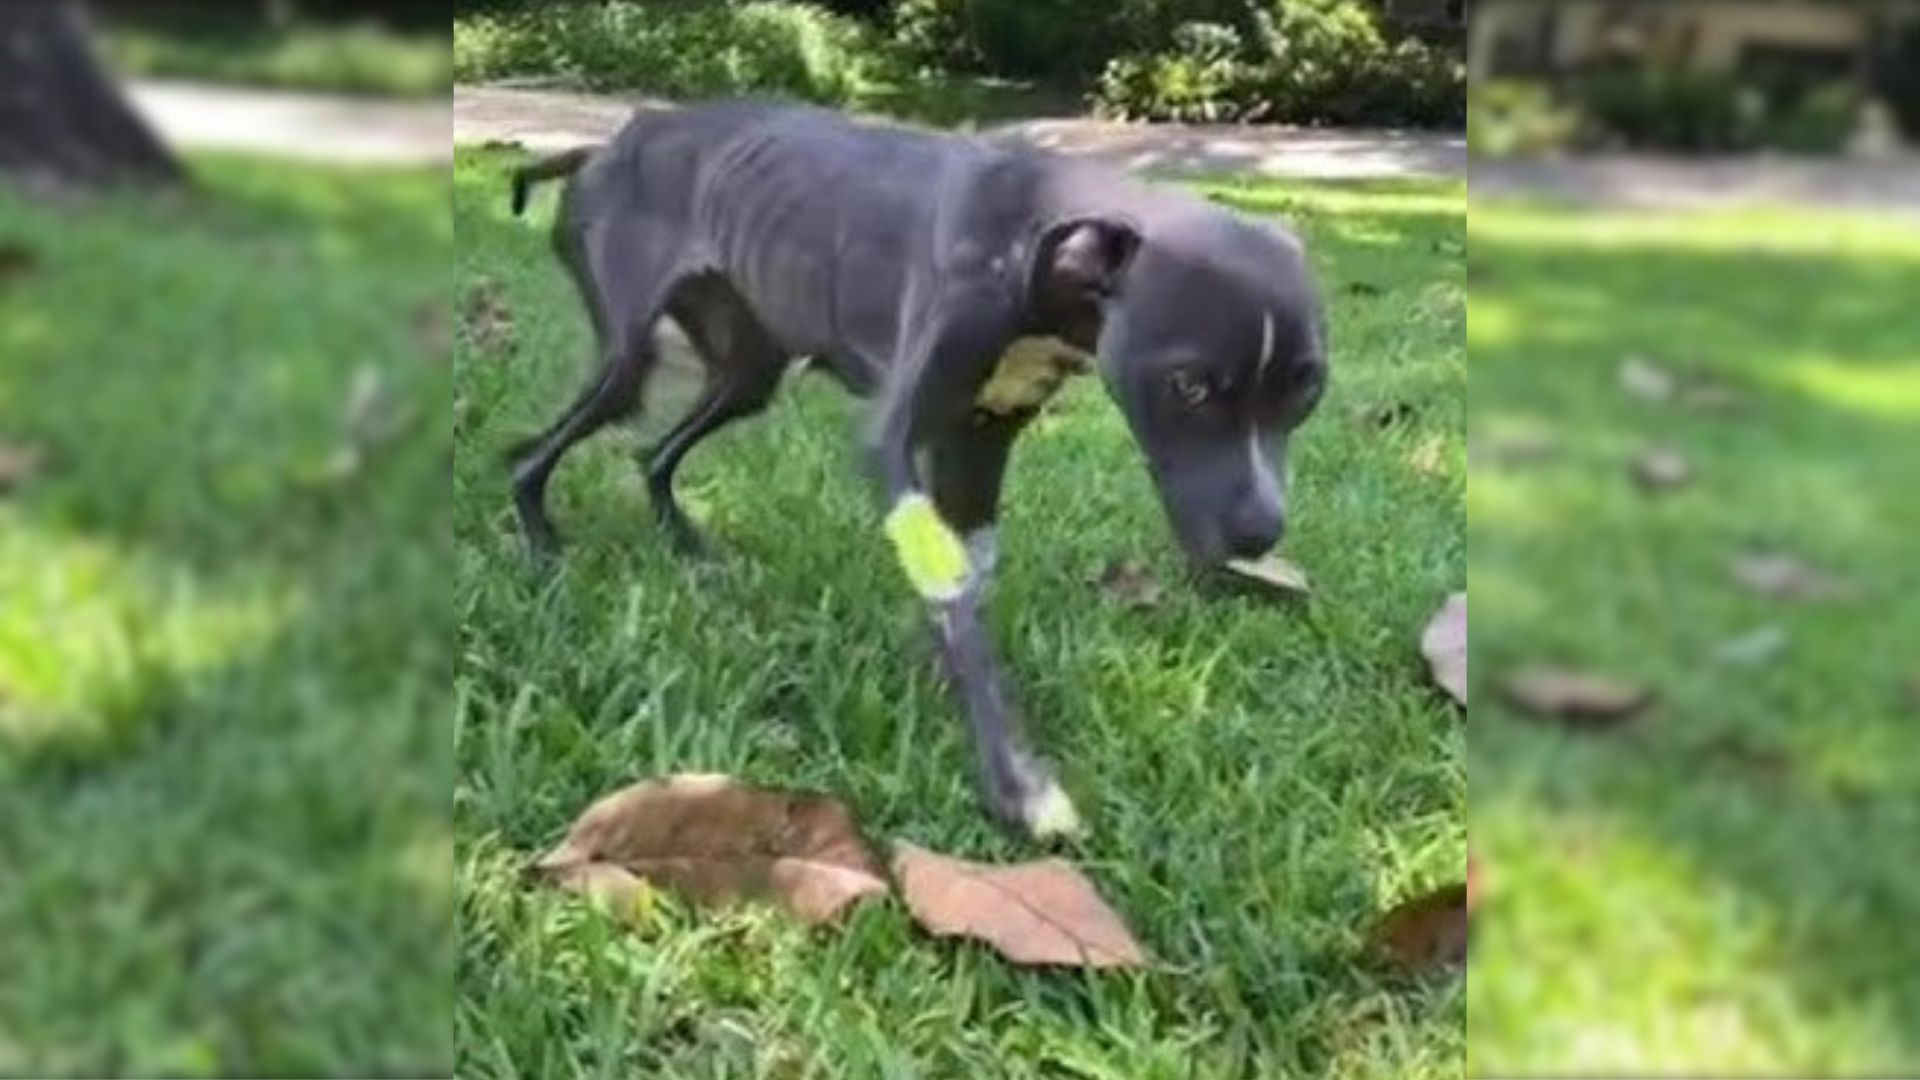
(931, 553)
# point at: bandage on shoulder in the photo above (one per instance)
(933, 556)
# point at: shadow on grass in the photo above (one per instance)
(1725, 885)
(224, 652)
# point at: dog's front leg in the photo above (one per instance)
(945, 541)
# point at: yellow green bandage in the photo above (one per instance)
(933, 556)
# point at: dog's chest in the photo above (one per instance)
(1030, 372)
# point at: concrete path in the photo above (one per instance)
(313, 126)
(1889, 184)
(546, 120)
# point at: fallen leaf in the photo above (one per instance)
(16, 261)
(715, 840)
(1661, 469)
(1273, 573)
(1429, 458)
(1444, 644)
(1131, 583)
(1514, 448)
(1426, 933)
(433, 328)
(1754, 647)
(1579, 699)
(1784, 577)
(19, 463)
(1036, 913)
(1646, 380)
(487, 319)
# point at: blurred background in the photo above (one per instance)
(225, 628)
(1694, 251)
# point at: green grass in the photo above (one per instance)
(349, 58)
(1728, 886)
(224, 676)
(1260, 779)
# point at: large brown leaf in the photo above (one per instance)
(1444, 644)
(1037, 913)
(715, 840)
(1575, 698)
(1428, 932)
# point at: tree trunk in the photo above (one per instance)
(63, 121)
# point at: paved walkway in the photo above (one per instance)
(1881, 185)
(548, 120)
(314, 126)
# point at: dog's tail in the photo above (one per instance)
(552, 168)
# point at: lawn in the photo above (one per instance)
(225, 648)
(1727, 885)
(1260, 779)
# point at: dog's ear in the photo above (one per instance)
(1083, 258)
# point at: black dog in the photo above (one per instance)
(959, 283)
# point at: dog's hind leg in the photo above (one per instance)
(625, 285)
(744, 366)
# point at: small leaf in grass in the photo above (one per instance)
(1709, 396)
(1661, 469)
(1036, 913)
(19, 463)
(1427, 933)
(1575, 698)
(1131, 583)
(16, 261)
(1430, 457)
(1513, 448)
(715, 840)
(1444, 644)
(487, 319)
(1784, 577)
(1646, 380)
(1756, 646)
(1271, 573)
(433, 328)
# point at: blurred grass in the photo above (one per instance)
(1261, 779)
(362, 58)
(224, 656)
(1728, 886)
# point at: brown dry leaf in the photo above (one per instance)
(1426, 933)
(1647, 380)
(1273, 573)
(715, 840)
(1131, 583)
(19, 463)
(1036, 913)
(1444, 644)
(487, 319)
(1576, 698)
(1785, 577)
(1661, 469)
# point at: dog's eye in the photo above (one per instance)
(1191, 389)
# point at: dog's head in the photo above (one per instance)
(1211, 337)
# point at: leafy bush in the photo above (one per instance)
(1507, 117)
(769, 47)
(1670, 109)
(1822, 121)
(1306, 61)
(1056, 40)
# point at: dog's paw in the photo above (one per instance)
(1049, 815)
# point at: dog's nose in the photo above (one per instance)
(1255, 530)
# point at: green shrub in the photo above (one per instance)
(767, 47)
(1508, 117)
(1820, 122)
(1306, 61)
(1670, 109)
